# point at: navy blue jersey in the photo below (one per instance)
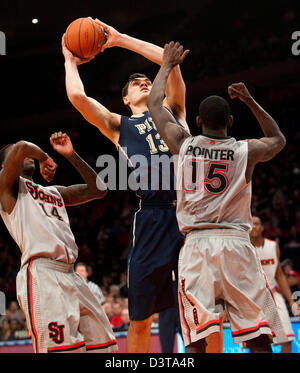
(149, 157)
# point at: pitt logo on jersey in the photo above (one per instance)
(146, 127)
(41, 195)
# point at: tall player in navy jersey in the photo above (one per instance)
(155, 239)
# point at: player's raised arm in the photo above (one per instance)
(81, 193)
(266, 148)
(95, 113)
(165, 123)
(175, 88)
(274, 141)
(16, 160)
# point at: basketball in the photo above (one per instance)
(84, 37)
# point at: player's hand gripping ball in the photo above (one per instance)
(85, 38)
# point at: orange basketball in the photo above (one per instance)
(84, 37)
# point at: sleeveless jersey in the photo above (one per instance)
(39, 224)
(149, 157)
(269, 261)
(212, 192)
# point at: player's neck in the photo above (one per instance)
(139, 109)
(214, 133)
(28, 177)
(257, 242)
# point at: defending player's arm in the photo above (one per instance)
(77, 194)
(175, 88)
(165, 123)
(284, 286)
(13, 166)
(95, 113)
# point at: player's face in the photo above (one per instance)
(138, 90)
(81, 270)
(257, 228)
(28, 166)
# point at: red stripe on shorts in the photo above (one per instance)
(184, 320)
(207, 325)
(102, 345)
(268, 286)
(249, 330)
(31, 315)
(65, 348)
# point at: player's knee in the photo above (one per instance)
(141, 326)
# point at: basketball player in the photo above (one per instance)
(82, 269)
(269, 254)
(217, 263)
(155, 238)
(61, 312)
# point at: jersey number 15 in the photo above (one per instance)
(215, 180)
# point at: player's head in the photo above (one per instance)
(82, 270)
(214, 114)
(257, 228)
(136, 90)
(28, 163)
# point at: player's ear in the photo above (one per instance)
(126, 100)
(199, 121)
(230, 121)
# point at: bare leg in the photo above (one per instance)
(138, 337)
(260, 344)
(215, 343)
(286, 348)
(196, 347)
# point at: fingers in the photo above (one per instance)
(104, 25)
(237, 90)
(63, 42)
(175, 53)
(58, 138)
(48, 169)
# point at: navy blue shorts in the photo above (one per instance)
(155, 242)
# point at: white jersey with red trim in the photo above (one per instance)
(268, 259)
(39, 224)
(212, 191)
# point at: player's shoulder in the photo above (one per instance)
(270, 242)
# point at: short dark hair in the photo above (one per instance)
(130, 79)
(3, 152)
(80, 264)
(214, 112)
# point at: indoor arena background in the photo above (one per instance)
(228, 41)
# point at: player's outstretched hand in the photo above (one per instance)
(48, 169)
(62, 144)
(112, 35)
(239, 90)
(70, 56)
(174, 54)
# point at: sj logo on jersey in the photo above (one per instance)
(56, 332)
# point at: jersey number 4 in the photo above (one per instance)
(215, 180)
(53, 212)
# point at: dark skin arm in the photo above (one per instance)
(77, 194)
(171, 133)
(13, 167)
(266, 148)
